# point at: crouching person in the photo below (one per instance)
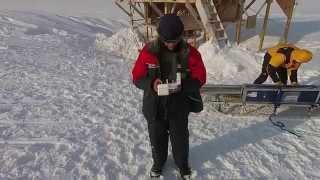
(281, 62)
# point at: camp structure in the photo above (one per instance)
(204, 19)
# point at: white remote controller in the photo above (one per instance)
(178, 82)
(163, 89)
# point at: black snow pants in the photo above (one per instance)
(171, 121)
(279, 72)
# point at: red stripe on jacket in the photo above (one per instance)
(195, 64)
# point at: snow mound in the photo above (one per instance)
(125, 43)
(231, 65)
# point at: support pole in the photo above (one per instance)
(249, 5)
(287, 27)
(146, 10)
(265, 24)
(122, 8)
(173, 8)
(131, 15)
(193, 13)
(239, 23)
(156, 9)
(136, 9)
(166, 8)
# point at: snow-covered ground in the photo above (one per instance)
(68, 108)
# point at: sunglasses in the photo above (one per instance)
(171, 41)
(175, 41)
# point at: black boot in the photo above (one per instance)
(185, 174)
(155, 172)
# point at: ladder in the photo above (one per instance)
(212, 23)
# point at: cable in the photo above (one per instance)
(281, 125)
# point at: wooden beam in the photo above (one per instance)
(136, 9)
(123, 9)
(265, 24)
(146, 10)
(287, 27)
(238, 30)
(131, 17)
(286, 6)
(261, 7)
(173, 8)
(166, 8)
(193, 13)
(156, 9)
(162, 1)
(239, 23)
(249, 5)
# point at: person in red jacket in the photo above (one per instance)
(171, 63)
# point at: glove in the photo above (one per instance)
(279, 83)
(156, 82)
(173, 88)
(294, 84)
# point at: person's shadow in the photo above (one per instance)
(234, 140)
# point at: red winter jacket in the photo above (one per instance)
(146, 70)
(147, 60)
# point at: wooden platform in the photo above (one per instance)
(164, 1)
(204, 19)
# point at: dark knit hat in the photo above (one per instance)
(170, 27)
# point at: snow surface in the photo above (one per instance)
(68, 108)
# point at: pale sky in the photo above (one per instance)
(94, 8)
(107, 9)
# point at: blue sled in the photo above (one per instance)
(303, 95)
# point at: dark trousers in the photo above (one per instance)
(282, 74)
(171, 122)
(265, 72)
